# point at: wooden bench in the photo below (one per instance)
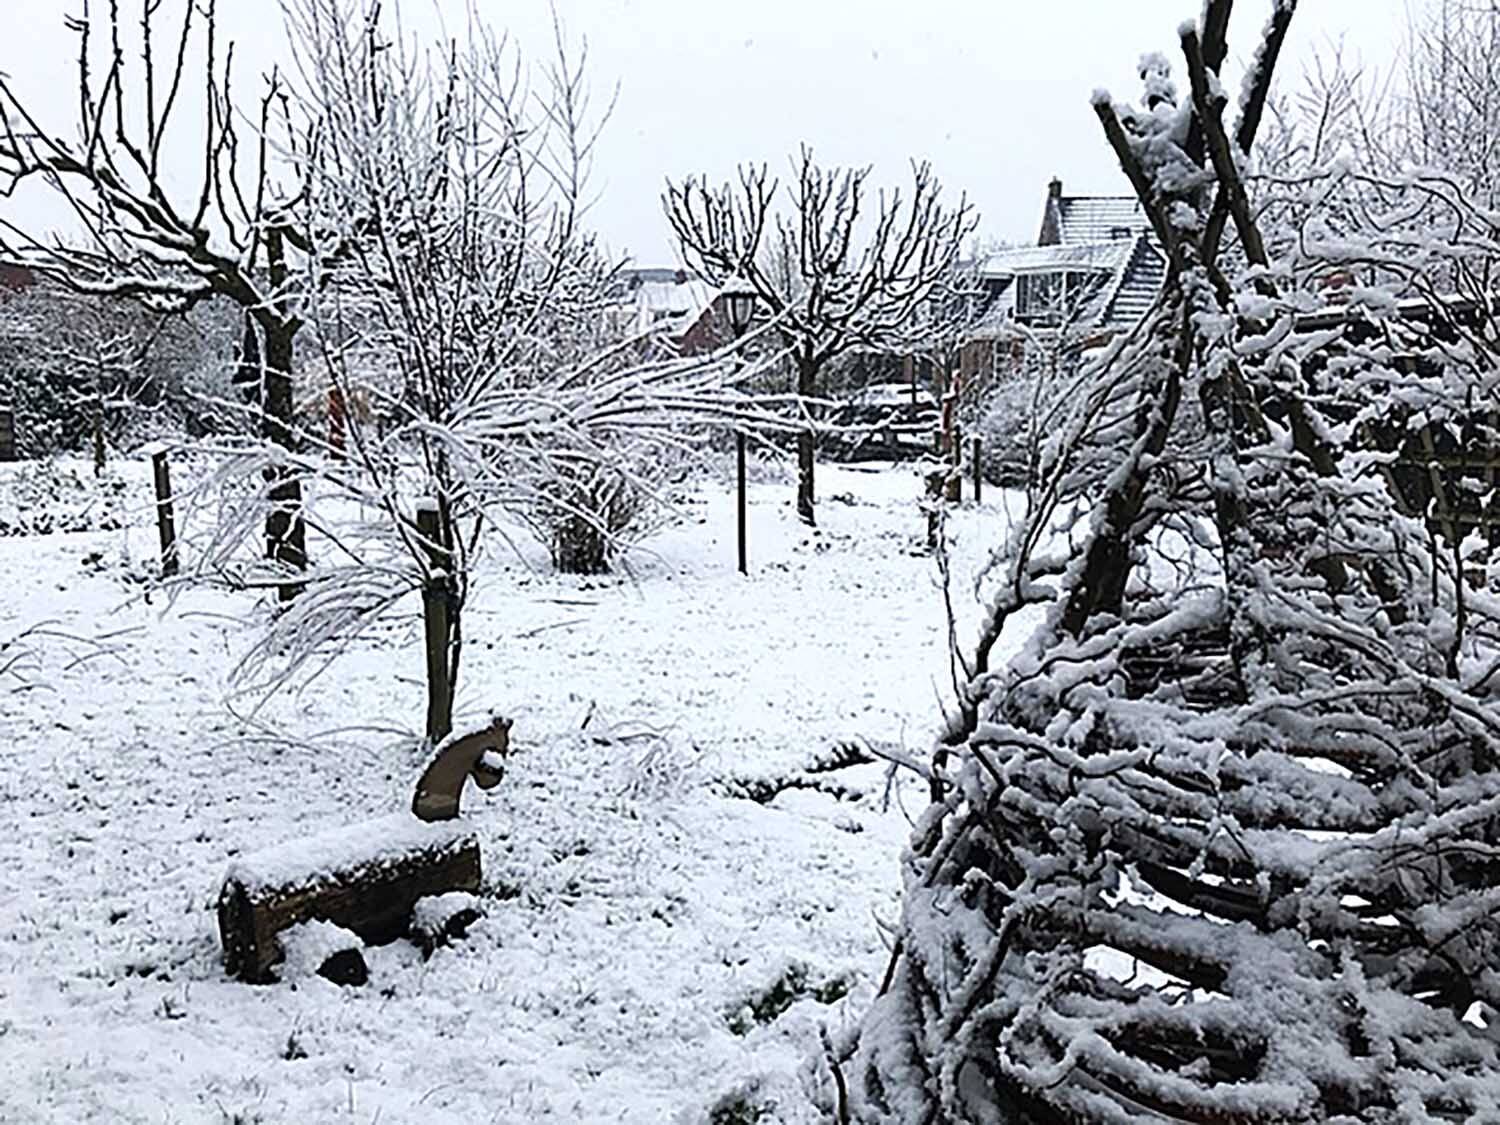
(365, 877)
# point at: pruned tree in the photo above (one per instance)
(467, 308)
(850, 280)
(1221, 842)
(140, 232)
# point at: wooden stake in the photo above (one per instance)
(739, 458)
(978, 471)
(166, 528)
(436, 622)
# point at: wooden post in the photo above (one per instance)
(978, 470)
(166, 528)
(932, 503)
(955, 466)
(435, 606)
(7, 433)
(739, 464)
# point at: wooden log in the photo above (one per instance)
(365, 878)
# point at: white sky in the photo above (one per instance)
(994, 92)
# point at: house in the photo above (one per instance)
(1095, 270)
(663, 300)
(15, 278)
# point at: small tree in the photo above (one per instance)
(847, 280)
(469, 305)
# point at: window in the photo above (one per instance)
(1048, 298)
(1039, 297)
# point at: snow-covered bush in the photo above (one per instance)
(588, 515)
(50, 495)
(1221, 843)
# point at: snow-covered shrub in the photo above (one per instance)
(54, 495)
(1222, 841)
(1008, 431)
(589, 515)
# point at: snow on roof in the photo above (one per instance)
(671, 304)
(672, 297)
(1099, 218)
(1103, 256)
(1137, 285)
(1133, 272)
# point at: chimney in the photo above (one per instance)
(1054, 189)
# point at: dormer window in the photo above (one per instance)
(1116, 234)
(1046, 298)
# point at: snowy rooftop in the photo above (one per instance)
(1102, 256)
(1099, 218)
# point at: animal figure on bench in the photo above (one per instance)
(366, 877)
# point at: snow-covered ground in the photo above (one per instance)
(647, 920)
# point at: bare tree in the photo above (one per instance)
(850, 280)
(139, 233)
(1449, 108)
(463, 328)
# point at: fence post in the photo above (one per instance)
(739, 458)
(166, 526)
(955, 490)
(978, 470)
(7, 433)
(435, 606)
(934, 484)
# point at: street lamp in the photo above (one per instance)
(739, 305)
(739, 302)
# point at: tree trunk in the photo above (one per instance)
(807, 375)
(99, 432)
(286, 531)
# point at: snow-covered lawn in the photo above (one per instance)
(641, 909)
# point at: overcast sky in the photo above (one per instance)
(995, 93)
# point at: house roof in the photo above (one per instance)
(1137, 285)
(664, 299)
(1099, 218)
(1132, 271)
(1071, 220)
(1101, 256)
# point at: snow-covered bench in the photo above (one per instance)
(364, 877)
